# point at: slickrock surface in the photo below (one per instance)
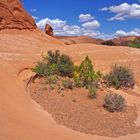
(68, 40)
(23, 119)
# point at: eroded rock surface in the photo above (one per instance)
(13, 16)
(49, 30)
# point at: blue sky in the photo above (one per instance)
(97, 18)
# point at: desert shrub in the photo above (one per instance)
(86, 72)
(48, 65)
(67, 83)
(135, 43)
(120, 76)
(77, 82)
(65, 66)
(92, 93)
(76, 68)
(114, 102)
(52, 57)
(108, 42)
(51, 79)
(54, 63)
(51, 69)
(44, 69)
(40, 68)
(52, 86)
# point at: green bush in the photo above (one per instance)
(65, 66)
(92, 92)
(120, 76)
(51, 79)
(77, 82)
(67, 83)
(40, 68)
(51, 69)
(54, 63)
(135, 43)
(45, 69)
(52, 57)
(114, 102)
(86, 72)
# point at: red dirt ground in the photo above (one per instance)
(73, 109)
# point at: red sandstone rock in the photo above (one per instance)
(13, 16)
(121, 41)
(49, 30)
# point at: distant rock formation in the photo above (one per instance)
(121, 41)
(49, 30)
(13, 16)
(68, 40)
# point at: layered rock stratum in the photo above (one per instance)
(13, 16)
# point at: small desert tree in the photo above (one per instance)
(86, 72)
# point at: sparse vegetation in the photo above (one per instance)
(79, 88)
(61, 74)
(92, 92)
(77, 82)
(51, 79)
(45, 69)
(114, 102)
(135, 43)
(67, 83)
(86, 72)
(65, 66)
(54, 63)
(120, 76)
(52, 57)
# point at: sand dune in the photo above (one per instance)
(23, 119)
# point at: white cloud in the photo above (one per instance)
(123, 11)
(85, 17)
(62, 28)
(120, 33)
(91, 24)
(33, 10)
(57, 24)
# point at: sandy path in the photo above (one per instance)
(20, 117)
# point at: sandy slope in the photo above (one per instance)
(68, 40)
(23, 119)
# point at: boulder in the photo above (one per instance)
(49, 30)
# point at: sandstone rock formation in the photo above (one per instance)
(121, 41)
(49, 30)
(13, 16)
